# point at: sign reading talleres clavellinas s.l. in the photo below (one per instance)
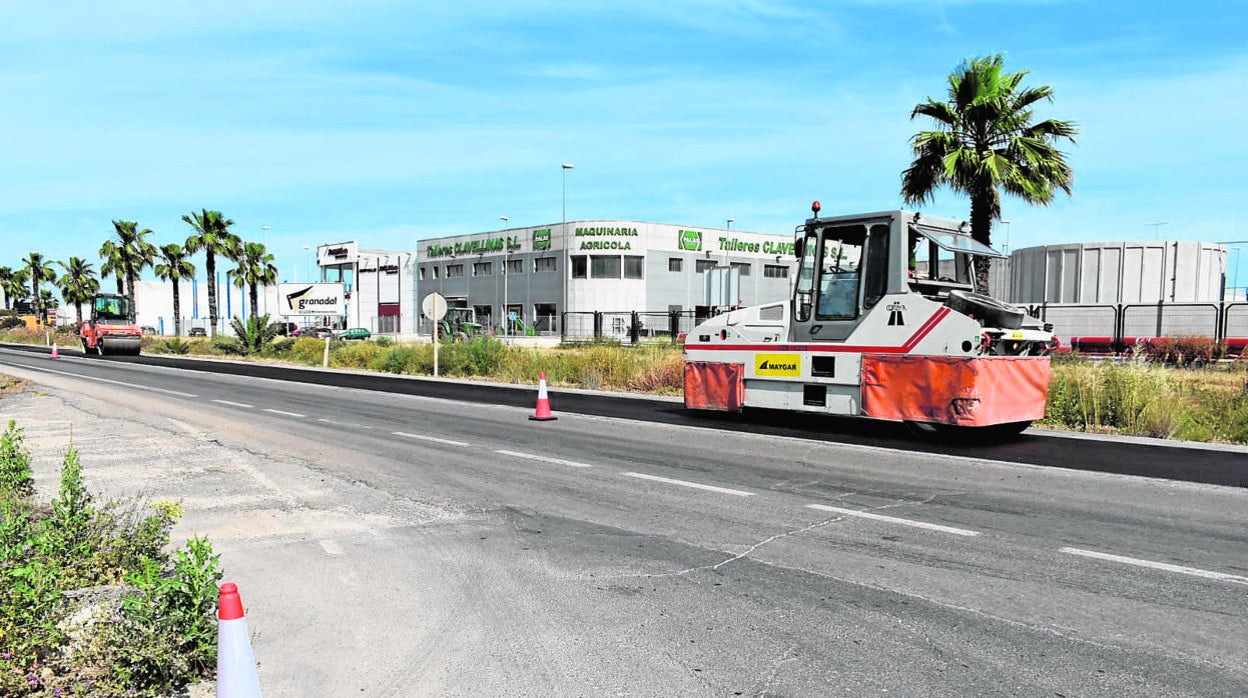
(310, 299)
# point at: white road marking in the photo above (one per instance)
(694, 485)
(545, 459)
(894, 520)
(1195, 572)
(434, 439)
(234, 404)
(344, 424)
(283, 412)
(106, 380)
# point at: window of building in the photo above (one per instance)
(704, 265)
(544, 265)
(339, 273)
(579, 267)
(675, 263)
(633, 266)
(422, 273)
(775, 271)
(435, 270)
(544, 317)
(604, 266)
(515, 266)
(482, 268)
(485, 314)
(743, 268)
(454, 271)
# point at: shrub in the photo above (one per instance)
(16, 477)
(159, 632)
(176, 345)
(228, 346)
(253, 333)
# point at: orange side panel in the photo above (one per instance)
(966, 391)
(714, 386)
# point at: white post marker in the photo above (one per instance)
(434, 307)
(325, 359)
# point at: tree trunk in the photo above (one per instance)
(131, 312)
(78, 307)
(35, 303)
(981, 231)
(212, 292)
(177, 310)
(255, 304)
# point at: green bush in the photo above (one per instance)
(16, 477)
(160, 632)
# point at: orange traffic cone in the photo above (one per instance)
(55, 354)
(236, 667)
(543, 401)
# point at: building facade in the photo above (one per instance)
(537, 274)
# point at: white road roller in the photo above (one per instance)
(884, 323)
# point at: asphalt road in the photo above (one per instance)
(400, 544)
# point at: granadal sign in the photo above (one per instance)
(310, 299)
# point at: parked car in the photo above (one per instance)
(318, 332)
(148, 329)
(355, 333)
(197, 332)
(287, 329)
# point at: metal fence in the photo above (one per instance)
(627, 327)
(1118, 327)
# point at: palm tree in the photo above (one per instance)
(38, 271)
(174, 266)
(6, 285)
(78, 283)
(986, 141)
(255, 268)
(113, 265)
(135, 255)
(14, 287)
(213, 236)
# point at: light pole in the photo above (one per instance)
(567, 257)
(1235, 273)
(506, 277)
(1006, 247)
(1157, 227)
(728, 231)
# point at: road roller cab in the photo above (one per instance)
(110, 330)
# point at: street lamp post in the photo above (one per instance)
(1235, 273)
(506, 277)
(567, 276)
(728, 230)
(1006, 246)
(1157, 227)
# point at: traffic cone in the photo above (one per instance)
(236, 667)
(55, 354)
(543, 401)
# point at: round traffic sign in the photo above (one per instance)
(434, 306)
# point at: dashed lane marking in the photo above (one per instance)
(434, 439)
(545, 459)
(694, 485)
(344, 424)
(284, 412)
(1165, 566)
(894, 520)
(234, 404)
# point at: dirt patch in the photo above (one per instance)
(12, 386)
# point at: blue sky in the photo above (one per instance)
(391, 122)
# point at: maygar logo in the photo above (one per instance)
(778, 365)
